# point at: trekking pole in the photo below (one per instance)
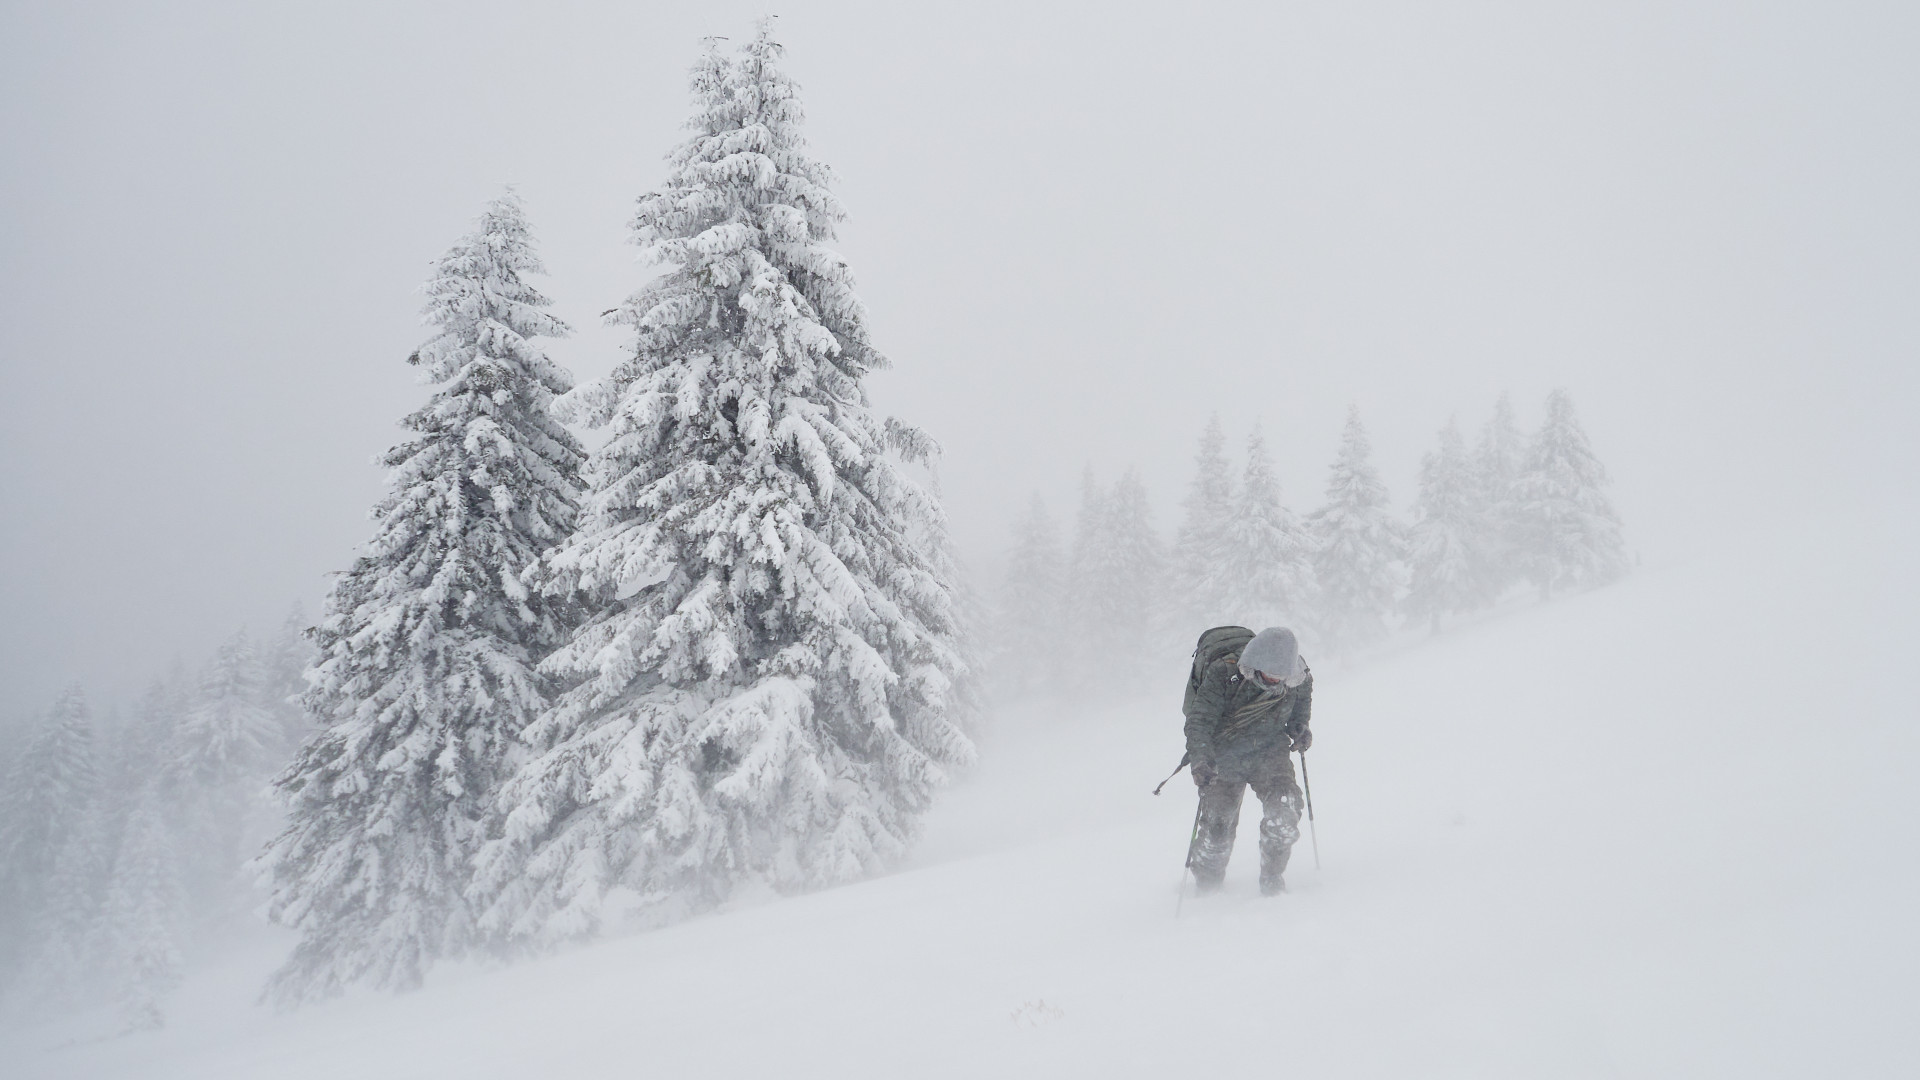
(1192, 839)
(1171, 775)
(1307, 785)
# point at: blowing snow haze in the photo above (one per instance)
(1278, 260)
(1079, 231)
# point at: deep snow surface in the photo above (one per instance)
(1664, 829)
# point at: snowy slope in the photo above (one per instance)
(1664, 829)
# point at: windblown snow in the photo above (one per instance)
(1665, 828)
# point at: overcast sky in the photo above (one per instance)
(1080, 230)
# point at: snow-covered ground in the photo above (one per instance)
(1664, 829)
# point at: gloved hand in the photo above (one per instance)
(1203, 772)
(1302, 739)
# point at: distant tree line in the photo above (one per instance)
(124, 840)
(1105, 607)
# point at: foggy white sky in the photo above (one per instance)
(1080, 229)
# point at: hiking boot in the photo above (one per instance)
(1273, 865)
(1208, 884)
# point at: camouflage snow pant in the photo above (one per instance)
(1280, 806)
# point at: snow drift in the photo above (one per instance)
(1662, 829)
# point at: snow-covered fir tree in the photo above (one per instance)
(50, 843)
(62, 966)
(53, 784)
(227, 735)
(1446, 554)
(1200, 591)
(1567, 534)
(139, 763)
(969, 691)
(1496, 461)
(1083, 585)
(1089, 531)
(1138, 584)
(428, 644)
(1032, 616)
(764, 695)
(144, 916)
(1264, 555)
(224, 753)
(147, 745)
(283, 666)
(1116, 586)
(1358, 545)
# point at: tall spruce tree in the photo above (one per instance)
(1264, 555)
(1359, 546)
(1033, 616)
(1568, 535)
(1201, 589)
(1496, 461)
(1446, 553)
(765, 691)
(428, 644)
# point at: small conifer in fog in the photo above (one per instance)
(49, 842)
(1567, 533)
(144, 916)
(1033, 608)
(1200, 587)
(1446, 559)
(227, 733)
(1497, 458)
(1264, 555)
(225, 751)
(1358, 544)
(1117, 586)
(283, 666)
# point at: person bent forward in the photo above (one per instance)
(1251, 713)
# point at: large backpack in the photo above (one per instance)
(1219, 643)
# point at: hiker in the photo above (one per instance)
(1249, 700)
